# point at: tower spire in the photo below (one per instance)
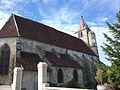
(82, 24)
(88, 36)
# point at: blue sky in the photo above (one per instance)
(64, 15)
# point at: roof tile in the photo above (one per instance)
(42, 33)
(62, 61)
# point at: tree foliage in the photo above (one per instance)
(98, 77)
(101, 74)
(112, 51)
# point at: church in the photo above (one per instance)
(25, 43)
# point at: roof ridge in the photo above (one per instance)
(34, 21)
(13, 16)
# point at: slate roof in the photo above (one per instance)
(29, 61)
(21, 27)
(62, 61)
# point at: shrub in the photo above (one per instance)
(74, 84)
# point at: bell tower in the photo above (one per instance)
(87, 35)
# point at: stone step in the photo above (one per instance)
(5, 87)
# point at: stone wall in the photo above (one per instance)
(34, 80)
(21, 44)
(67, 72)
(32, 46)
(61, 88)
(7, 79)
(42, 81)
(30, 80)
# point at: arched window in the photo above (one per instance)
(75, 75)
(4, 59)
(60, 76)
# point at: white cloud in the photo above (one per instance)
(102, 19)
(6, 4)
(67, 28)
(9, 4)
(34, 1)
(6, 8)
(64, 14)
(49, 1)
(3, 18)
(46, 1)
(113, 4)
(62, 20)
(52, 24)
(71, 29)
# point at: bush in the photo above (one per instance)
(74, 84)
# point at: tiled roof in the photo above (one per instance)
(28, 61)
(9, 29)
(19, 26)
(61, 60)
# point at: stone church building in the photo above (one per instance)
(25, 43)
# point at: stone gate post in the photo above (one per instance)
(42, 75)
(17, 78)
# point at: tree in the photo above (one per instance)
(101, 74)
(112, 51)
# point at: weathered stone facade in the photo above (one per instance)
(30, 80)
(11, 42)
(31, 76)
(68, 72)
(34, 51)
(26, 45)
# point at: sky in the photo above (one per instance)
(65, 15)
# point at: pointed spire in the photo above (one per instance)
(82, 23)
(82, 26)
